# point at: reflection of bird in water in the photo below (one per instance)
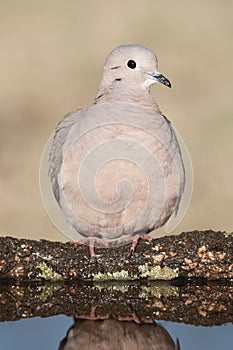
(116, 167)
(114, 335)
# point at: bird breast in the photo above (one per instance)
(121, 171)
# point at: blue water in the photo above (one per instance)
(46, 333)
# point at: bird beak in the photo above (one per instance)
(160, 78)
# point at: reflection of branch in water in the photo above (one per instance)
(114, 335)
(199, 304)
(205, 254)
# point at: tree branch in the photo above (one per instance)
(197, 254)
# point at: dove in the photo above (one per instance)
(116, 167)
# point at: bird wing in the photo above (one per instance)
(56, 152)
(181, 168)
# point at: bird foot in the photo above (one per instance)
(91, 242)
(135, 242)
(145, 237)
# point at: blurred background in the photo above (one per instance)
(52, 56)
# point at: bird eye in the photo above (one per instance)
(131, 64)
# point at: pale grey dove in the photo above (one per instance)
(116, 167)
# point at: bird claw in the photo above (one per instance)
(91, 242)
(135, 242)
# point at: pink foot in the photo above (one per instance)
(136, 238)
(91, 241)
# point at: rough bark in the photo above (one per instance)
(197, 254)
